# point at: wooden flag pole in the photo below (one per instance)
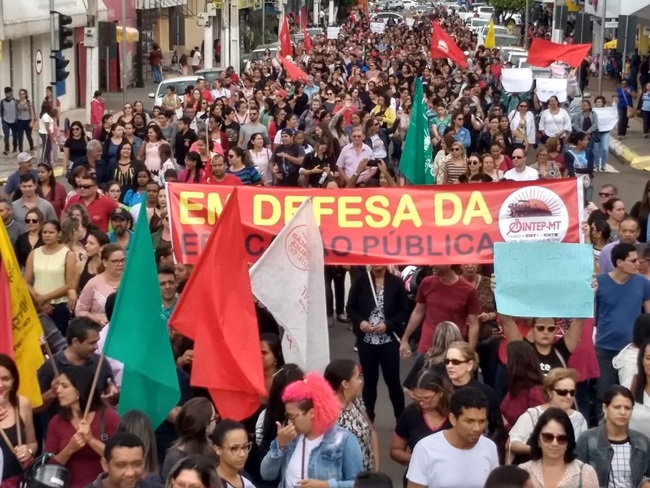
(93, 387)
(48, 350)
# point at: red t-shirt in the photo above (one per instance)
(506, 164)
(99, 209)
(228, 180)
(84, 465)
(443, 302)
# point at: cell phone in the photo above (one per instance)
(373, 162)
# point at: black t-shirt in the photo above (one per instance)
(597, 215)
(76, 148)
(412, 377)
(290, 171)
(182, 145)
(232, 132)
(557, 358)
(312, 161)
(412, 426)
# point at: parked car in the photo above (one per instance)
(475, 24)
(394, 5)
(386, 16)
(179, 83)
(209, 75)
(258, 54)
(498, 31)
(409, 4)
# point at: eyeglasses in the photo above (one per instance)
(425, 399)
(236, 449)
(76, 128)
(86, 187)
(548, 328)
(292, 416)
(517, 157)
(561, 439)
(456, 362)
(564, 392)
(31, 221)
(117, 261)
(605, 195)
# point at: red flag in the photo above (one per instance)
(293, 72)
(303, 17)
(216, 310)
(6, 326)
(443, 46)
(543, 53)
(284, 38)
(307, 40)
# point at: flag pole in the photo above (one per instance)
(93, 387)
(48, 351)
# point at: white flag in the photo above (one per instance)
(289, 281)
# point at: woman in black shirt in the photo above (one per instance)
(75, 145)
(30, 240)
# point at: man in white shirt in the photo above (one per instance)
(461, 457)
(520, 172)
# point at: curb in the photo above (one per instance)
(629, 157)
(58, 172)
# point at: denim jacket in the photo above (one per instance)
(594, 449)
(337, 460)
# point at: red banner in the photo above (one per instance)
(452, 224)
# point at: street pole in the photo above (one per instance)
(53, 47)
(92, 59)
(124, 52)
(601, 65)
(263, 21)
(526, 23)
(235, 48)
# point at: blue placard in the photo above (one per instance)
(544, 279)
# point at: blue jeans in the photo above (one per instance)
(157, 74)
(608, 376)
(24, 130)
(6, 128)
(601, 151)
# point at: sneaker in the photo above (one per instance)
(355, 349)
(342, 317)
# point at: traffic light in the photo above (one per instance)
(60, 73)
(65, 33)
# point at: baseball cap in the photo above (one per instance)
(24, 157)
(288, 132)
(120, 213)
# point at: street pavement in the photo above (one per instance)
(630, 183)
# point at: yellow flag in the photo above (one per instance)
(26, 327)
(490, 42)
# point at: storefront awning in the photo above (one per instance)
(32, 17)
(132, 34)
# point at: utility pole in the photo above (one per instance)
(123, 62)
(526, 24)
(53, 47)
(235, 48)
(92, 56)
(601, 64)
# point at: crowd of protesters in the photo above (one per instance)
(486, 389)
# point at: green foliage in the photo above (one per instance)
(509, 5)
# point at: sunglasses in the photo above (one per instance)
(456, 149)
(561, 439)
(474, 161)
(76, 128)
(456, 362)
(86, 187)
(517, 157)
(605, 195)
(230, 156)
(564, 392)
(542, 328)
(31, 221)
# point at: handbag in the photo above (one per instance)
(631, 113)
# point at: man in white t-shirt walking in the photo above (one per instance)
(520, 172)
(461, 457)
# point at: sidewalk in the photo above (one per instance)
(634, 150)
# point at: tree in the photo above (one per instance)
(509, 5)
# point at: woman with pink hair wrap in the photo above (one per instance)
(310, 450)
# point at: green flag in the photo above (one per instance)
(416, 163)
(138, 337)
